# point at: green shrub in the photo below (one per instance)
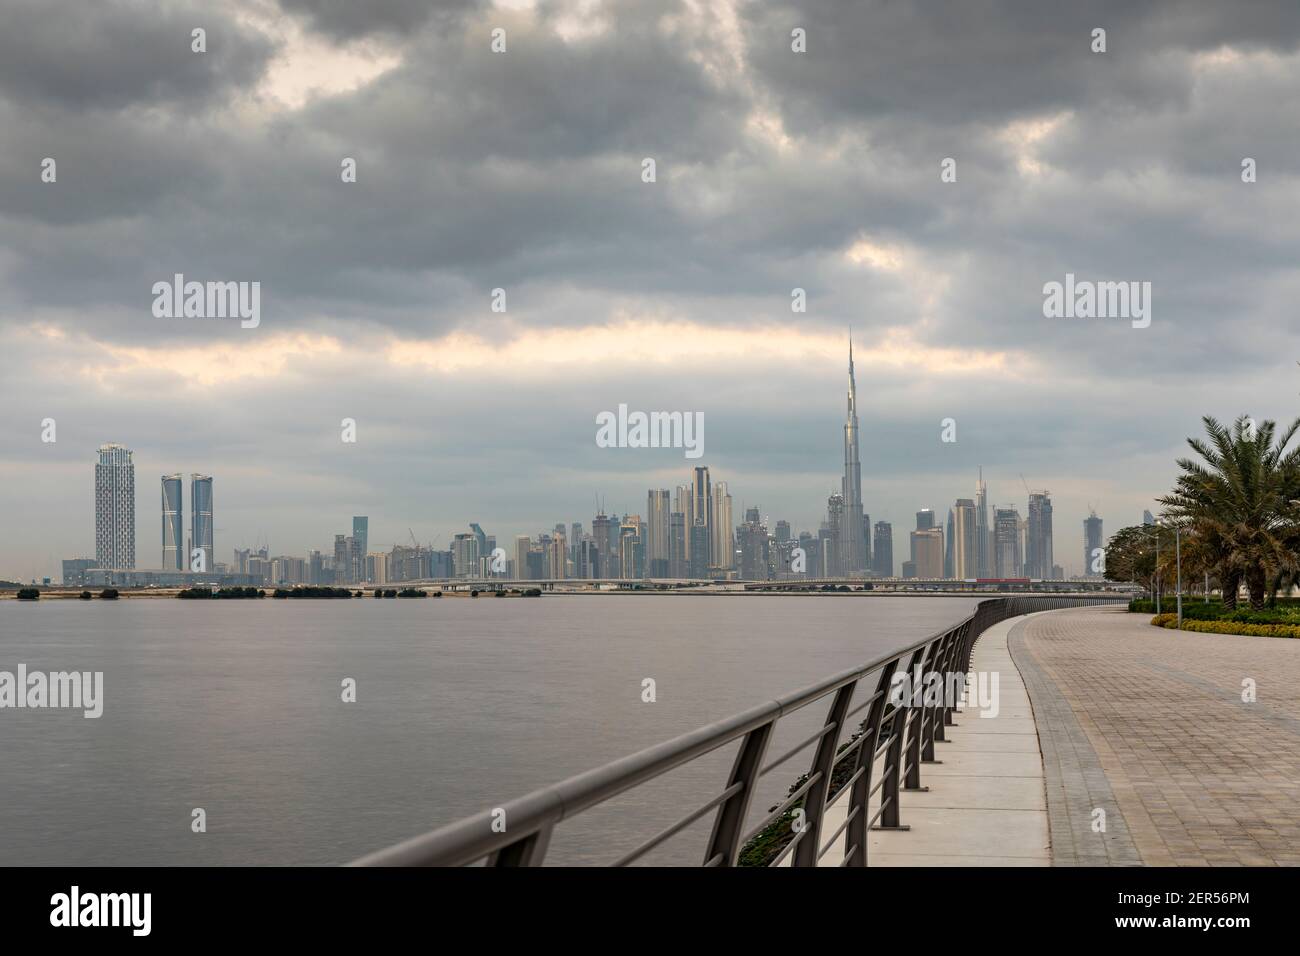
(84, 595)
(225, 594)
(1196, 610)
(311, 591)
(108, 594)
(29, 594)
(1227, 626)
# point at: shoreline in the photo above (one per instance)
(56, 593)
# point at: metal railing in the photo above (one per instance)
(903, 735)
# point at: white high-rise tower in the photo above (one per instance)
(115, 508)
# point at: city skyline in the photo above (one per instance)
(686, 533)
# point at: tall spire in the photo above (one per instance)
(853, 386)
(853, 547)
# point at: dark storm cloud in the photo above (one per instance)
(121, 53)
(955, 62)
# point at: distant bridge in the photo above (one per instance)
(944, 585)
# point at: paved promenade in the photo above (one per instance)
(1150, 726)
(985, 803)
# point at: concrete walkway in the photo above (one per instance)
(1150, 726)
(985, 805)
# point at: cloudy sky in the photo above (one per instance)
(522, 170)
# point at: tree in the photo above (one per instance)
(1237, 500)
(1131, 556)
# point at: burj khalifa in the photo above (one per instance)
(853, 538)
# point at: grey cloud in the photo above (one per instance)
(346, 19)
(66, 55)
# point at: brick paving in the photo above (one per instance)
(1149, 725)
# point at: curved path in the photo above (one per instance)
(1150, 726)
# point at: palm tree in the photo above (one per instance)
(1237, 500)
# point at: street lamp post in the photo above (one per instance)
(1178, 552)
(1156, 536)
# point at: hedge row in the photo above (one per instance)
(1227, 627)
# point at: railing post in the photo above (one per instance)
(855, 840)
(948, 668)
(823, 765)
(528, 851)
(730, 818)
(920, 740)
(893, 771)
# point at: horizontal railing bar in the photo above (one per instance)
(879, 810)
(782, 807)
(840, 829)
(865, 704)
(852, 780)
(888, 740)
(788, 848)
(680, 825)
(798, 747)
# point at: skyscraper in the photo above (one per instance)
(465, 555)
(657, 532)
(754, 546)
(927, 551)
(983, 532)
(884, 560)
(965, 539)
(949, 564)
(173, 544)
(605, 532)
(1008, 560)
(115, 508)
(702, 516)
(835, 525)
(361, 534)
(699, 567)
(201, 521)
(523, 544)
(1038, 536)
(924, 522)
(853, 546)
(866, 541)
(723, 542)
(1091, 545)
(677, 544)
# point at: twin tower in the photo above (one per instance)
(199, 550)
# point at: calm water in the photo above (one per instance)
(235, 707)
